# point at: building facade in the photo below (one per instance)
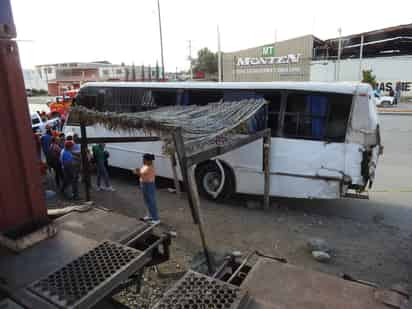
(33, 80)
(282, 61)
(64, 76)
(387, 52)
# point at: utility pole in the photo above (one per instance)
(339, 54)
(219, 56)
(274, 73)
(161, 40)
(361, 57)
(190, 59)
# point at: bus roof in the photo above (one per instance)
(334, 87)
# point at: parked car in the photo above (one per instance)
(382, 100)
(38, 125)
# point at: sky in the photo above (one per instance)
(52, 31)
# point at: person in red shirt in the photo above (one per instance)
(147, 175)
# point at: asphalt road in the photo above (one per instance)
(391, 195)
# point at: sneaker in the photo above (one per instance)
(154, 221)
(147, 218)
(99, 189)
(110, 189)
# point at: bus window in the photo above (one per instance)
(340, 106)
(203, 96)
(317, 116)
(305, 116)
(125, 100)
(237, 95)
(274, 99)
(89, 101)
(164, 97)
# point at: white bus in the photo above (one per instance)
(325, 136)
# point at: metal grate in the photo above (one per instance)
(197, 291)
(72, 283)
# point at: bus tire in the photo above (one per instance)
(208, 176)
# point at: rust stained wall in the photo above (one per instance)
(21, 195)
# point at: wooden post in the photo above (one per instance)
(85, 160)
(192, 186)
(175, 178)
(266, 169)
(188, 173)
(181, 156)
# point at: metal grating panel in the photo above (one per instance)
(71, 284)
(197, 291)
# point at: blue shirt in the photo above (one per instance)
(66, 157)
(45, 142)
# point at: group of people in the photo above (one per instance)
(63, 158)
(396, 94)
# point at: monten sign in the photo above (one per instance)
(264, 60)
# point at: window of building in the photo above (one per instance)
(105, 72)
(49, 70)
(119, 71)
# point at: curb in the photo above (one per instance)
(408, 113)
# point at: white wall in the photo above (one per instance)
(32, 80)
(388, 71)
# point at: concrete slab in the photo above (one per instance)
(276, 285)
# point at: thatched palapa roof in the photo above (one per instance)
(201, 125)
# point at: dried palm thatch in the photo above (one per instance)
(201, 125)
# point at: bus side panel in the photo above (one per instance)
(299, 168)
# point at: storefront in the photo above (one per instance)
(283, 61)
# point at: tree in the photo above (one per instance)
(206, 61)
(369, 78)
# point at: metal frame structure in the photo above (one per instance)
(188, 166)
(25, 209)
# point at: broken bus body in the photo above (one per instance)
(325, 136)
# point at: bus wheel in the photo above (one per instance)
(209, 180)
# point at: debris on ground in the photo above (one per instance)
(63, 211)
(317, 244)
(321, 256)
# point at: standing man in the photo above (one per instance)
(398, 93)
(46, 140)
(66, 159)
(99, 157)
(147, 176)
(53, 159)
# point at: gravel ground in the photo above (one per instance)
(371, 251)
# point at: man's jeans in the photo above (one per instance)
(149, 195)
(102, 172)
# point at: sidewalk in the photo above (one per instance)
(400, 109)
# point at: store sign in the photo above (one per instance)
(282, 71)
(268, 51)
(251, 61)
(405, 86)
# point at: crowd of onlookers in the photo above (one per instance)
(61, 155)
